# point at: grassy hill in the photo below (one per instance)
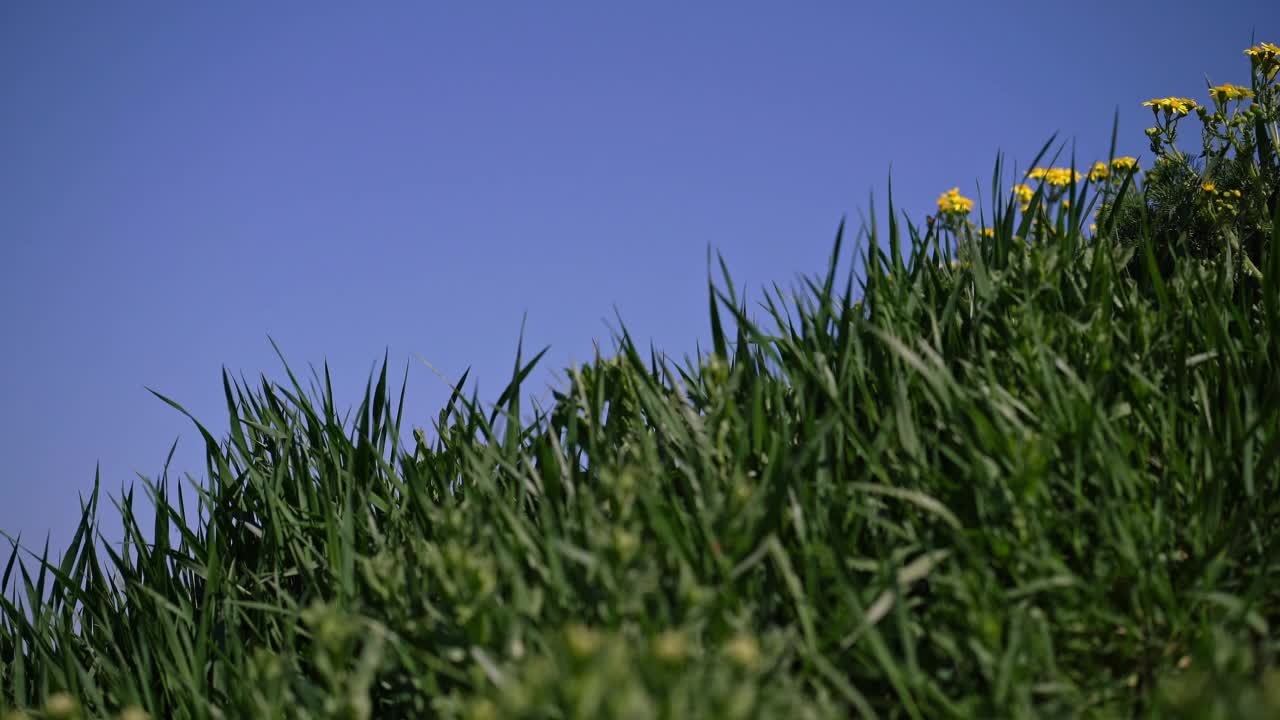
(1024, 463)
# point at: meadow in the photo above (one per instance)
(1023, 460)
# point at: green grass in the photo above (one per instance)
(1041, 481)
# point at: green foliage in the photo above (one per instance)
(1042, 481)
(1220, 202)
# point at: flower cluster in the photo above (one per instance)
(1232, 125)
(1056, 180)
(1164, 134)
(1227, 92)
(1211, 188)
(953, 211)
(1171, 105)
(1266, 58)
(1024, 193)
(1125, 164)
(1238, 120)
(1101, 170)
(1062, 177)
(1222, 201)
(1263, 51)
(952, 202)
(1109, 177)
(1231, 179)
(1057, 177)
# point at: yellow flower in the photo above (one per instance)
(988, 232)
(1100, 171)
(1037, 173)
(1093, 227)
(1061, 177)
(1209, 187)
(1227, 92)
(1263, 51)
(1172, 105)
(1066, 204)
(1124, 163)
(953, 202)
(1024, 193)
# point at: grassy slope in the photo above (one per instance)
(1043, 482)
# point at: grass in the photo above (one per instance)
(1030, 474)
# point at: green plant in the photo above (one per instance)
(1222, 201)
(1037, 482)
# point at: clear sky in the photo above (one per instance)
(180, 180)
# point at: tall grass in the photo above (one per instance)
(1029, 472)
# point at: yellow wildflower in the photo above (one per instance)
(988, 232)
(1263, 51)
(1093, 227)
(953, 202)
(1061, 176)
(1172, 105)
(1209, 187)
(1124, 163)
(1266, 58)
(1024, 193)
(1037, 173)
(1100, 171)
(1227, 92)
(1066, 204)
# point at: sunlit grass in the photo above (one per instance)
(1014, 467)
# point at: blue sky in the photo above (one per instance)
(181, 180)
